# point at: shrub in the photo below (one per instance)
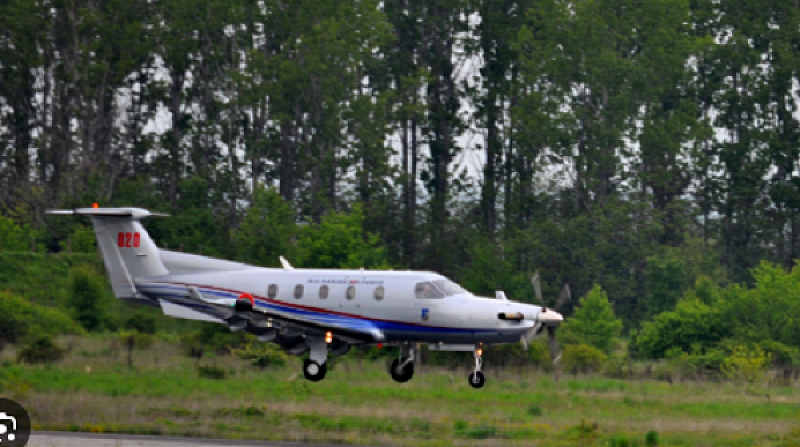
(535, 410)
(582, 358)
(745, 363)
(212, 372)
(539, 355)
(144, 324)
(86, 299)
(40, 349)
(19, 318)
(651, 438)
(262, 355)
(593, 322)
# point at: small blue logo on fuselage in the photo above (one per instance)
(425, 313)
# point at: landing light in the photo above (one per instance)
(479, 352)
(329, 337)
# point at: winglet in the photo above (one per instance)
(285, 264)
(500, 295)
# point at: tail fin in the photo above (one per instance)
(128, 251)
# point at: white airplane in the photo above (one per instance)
(312, 310)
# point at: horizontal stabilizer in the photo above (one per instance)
(133, 213)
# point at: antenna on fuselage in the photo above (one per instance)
(285, 264)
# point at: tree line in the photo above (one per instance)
(635, 145)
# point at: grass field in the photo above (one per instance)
(94, 390)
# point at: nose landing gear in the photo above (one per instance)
(476, 378)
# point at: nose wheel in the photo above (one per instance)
(476, 378)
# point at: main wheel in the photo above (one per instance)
(403, 374)
(314, 371)
(476, 379)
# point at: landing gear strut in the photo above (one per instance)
(402, 369)
(476, 378)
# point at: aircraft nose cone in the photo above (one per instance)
(550, 318)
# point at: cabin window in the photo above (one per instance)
(427, 290)
(298, 291)
(351, 292)
(323, 292)
(272, 291)
(380, 293)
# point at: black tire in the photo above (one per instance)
(313, 371)
(401, 375)
(476, 379)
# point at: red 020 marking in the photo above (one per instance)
(128, 240)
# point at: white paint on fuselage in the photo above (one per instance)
(400, 315)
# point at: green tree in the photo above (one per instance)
(268, 230)
(592, 323)
(13, 237)
(87, 300)
(339, 241)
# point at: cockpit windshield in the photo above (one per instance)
(437, 289)
(449, 287)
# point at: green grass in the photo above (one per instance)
(93, 390)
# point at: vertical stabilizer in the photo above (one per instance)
(128, 251)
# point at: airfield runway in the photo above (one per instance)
(58, 439)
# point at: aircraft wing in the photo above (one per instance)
(197, 304)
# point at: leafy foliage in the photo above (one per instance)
(87, 299)
(262, 355)
(40, 349)
(339, 241)
(582, 358)
(20, 318)
(593, 322)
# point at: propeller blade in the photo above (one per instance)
(537, 287)
(552, 343)
(566, 295)
(527, 338)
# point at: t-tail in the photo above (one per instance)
(128, 251)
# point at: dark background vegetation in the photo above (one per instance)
(649, 148)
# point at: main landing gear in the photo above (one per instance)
(476, 378)
(402, 369)
(315, 368)
(313, 371)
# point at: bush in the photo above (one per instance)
(262, 355)
(593, 322)
(19, 318)
(651, 438)
(582, 358)
(535, 410)
(40, 349)
(144, 324)
(212, 372)
(86, 299)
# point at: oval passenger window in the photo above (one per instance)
(272, 291)
(351, 292)
(380, 293)
(323, 292)
(298, 291)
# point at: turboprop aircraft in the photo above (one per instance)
(318, 311)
